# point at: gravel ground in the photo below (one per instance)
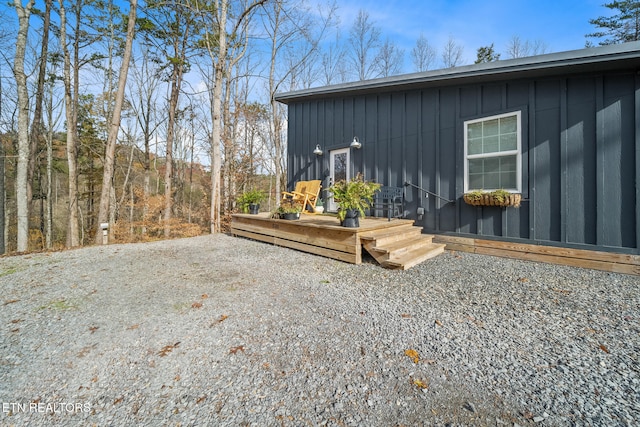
(216, 330)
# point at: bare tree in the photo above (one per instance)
(423, 55)
(143, 100)
(73, 230)
(175, 32)
(22, 202)
(230, 27)
(451, 54)
(286, 30)
(364, 40)
(390, 59)
(53, 116)
(334, 69)
(518, 48)
(114, 125)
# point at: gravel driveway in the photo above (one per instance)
(216, 330)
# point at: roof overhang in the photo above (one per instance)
(592, 60)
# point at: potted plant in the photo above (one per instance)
(249, 201)
(288, 210)
(319, 207)
(353, 197)
(500, 197)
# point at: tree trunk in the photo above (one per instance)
(36, 124)
(221, 69)
(49, 210)
(216, 107)
(176, 85)
(73, 231)
(2, 197)
(114, 126)
(2, 187)
(23, 126)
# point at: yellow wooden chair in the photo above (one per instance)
(306, 195)
(296, 196)
(312, 192)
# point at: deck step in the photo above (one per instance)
(405, 243)
(397, 249)
(393, 235)
(415, 256)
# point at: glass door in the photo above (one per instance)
(339, 169)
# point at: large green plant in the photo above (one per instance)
(356, 194)
(250, 197)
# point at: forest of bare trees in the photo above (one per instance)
(155, 117)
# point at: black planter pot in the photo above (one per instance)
(352, 219)
(290, 216)
(254, 208)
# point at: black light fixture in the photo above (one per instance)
(318, 150)
(355, 143)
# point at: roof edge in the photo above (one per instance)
(547, 61)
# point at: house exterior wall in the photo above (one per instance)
(580, 154)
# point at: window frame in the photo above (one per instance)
(517, 152)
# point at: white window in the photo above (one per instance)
(492, 153)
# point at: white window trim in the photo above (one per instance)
(517, 152)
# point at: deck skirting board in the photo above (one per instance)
(597, 260)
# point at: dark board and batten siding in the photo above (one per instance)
(580, 153)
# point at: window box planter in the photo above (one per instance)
(498, 198)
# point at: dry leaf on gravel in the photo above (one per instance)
(234, 350)
(220, 320)
(413, 355)
(168, 349)
(420, 384)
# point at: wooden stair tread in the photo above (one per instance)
(387, 237)
(405, 245)
(389, 231)
(415, 256)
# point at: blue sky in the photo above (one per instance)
(560, 24)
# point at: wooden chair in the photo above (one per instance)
(295, 197)
(306, 195)
(312, 192)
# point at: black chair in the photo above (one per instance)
(389, 200)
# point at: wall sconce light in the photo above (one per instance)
(318, 150)
(355, 143)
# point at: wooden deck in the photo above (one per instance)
(318, 234)
(399, 244)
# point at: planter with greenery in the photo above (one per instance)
(353, 197)
(249, 201)
(501, 198)
(319, 207)
(287, 210)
